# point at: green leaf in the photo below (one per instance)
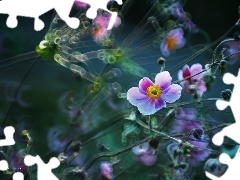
(133, 68)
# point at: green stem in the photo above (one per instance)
(158, 132)
(191, 102)
(115, 153)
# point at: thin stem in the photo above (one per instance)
(201, 51)
(191, 102)
(166, 118)
(215, 51)
(18, 88)
(115, 153)
(158, 132)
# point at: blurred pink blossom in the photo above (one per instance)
(194, 84)
(106, 170)
(174, 40)
(145, 154)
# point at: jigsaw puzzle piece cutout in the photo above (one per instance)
(3, 165)
(233, 167)
(229, 78)
(235, 96)
(44, 170)
(8, 132)
(28, 9)
(232, 130)
(18, 176)
(214, 167)
(95, 5)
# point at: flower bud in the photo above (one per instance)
(75, 146)
(198, 133)
(102, 147)
(214, 167)
(223, 63)
(161, 61)
(154, 142)
(226, 94)
(26, 136)
(192, 88)
(183, 165)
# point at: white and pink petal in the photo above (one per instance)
(201, 87)
(159, 104)
(135, 97)
(144, 84)
(163, 48)
(147, 107)
(163, 80)
(195, 69)
(172, 94)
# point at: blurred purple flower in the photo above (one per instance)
(57, 139)
(79, 4)
(106, 170)
(177, 11)
(149, 97)
(186, 113)
(195, 83)
(174, 40)
(185, 122)
(231, 48)
(188, 24)
(145, 154)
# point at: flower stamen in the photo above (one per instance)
(171, 43)
(154, 91)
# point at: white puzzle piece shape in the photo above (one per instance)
(44, 170)
(3, 165)
(36, 8)
(233, 167)
(27, 8)
(8, 132)
(231, 131)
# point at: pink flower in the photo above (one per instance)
(174, 40)
(106, 170)
(145, 154)
(99, 32)
(194, 82)
(149, 97)
(103, 21)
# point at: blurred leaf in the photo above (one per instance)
(133, 68)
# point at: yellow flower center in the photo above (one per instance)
(154, 91)
(171, 43)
